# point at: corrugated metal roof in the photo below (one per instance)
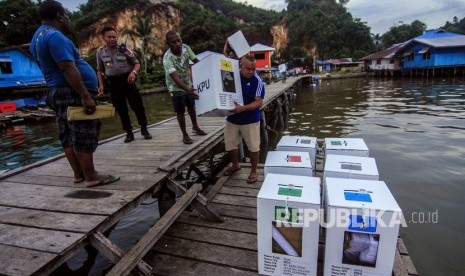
(442, 42)
(387, 53)
(261, 48)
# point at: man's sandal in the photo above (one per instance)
(230, 170)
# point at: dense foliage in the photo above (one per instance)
(94, 10)
(19, 20)
(456, 26)
(403, 32)
(327, 27)
(207, 24)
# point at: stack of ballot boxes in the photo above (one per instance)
(288, 225)
(361, 229)
(350, 167)
(289, 162)
(300, 144)
(346, 146)
(217, 81)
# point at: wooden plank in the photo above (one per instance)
(114, 253)
(199, 203)
(65, 192)
(235, 200)
(230, 223)
(174, 266)
(401, 247)
(51, 241)
(214, 190)
(411, 270)
(65, 170)
(205, 252)
(129, 182)
(21, 261)
(127, 263)
(214, 236)
(234, 182)
(399, 267)
(104, 206)
(239, 191)
(50, 220)
(236, 211)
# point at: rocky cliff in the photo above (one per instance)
(165, 17)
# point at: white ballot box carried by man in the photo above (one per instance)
(217, 82)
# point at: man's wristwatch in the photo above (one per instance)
(135, 73)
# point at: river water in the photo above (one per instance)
(415, 129)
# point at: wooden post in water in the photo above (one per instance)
(280, 113)
(263, 131)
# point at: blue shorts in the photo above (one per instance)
(81, 135)
(180, 102)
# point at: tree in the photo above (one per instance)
(142, 30)
(403, 32)
(19, 20)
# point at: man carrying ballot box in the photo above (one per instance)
(245, 120)
(178, 82)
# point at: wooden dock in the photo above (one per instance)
(45, 218)
(195, 246)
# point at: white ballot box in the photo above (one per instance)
(217, 82)
(299, 143)
(288, 225)
(361, 229)
(352, 167)
(239, 44)
(346, 146)
(289, 162)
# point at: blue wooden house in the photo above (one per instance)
(18, 70)
(435, 50)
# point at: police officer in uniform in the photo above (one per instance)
(119, 65)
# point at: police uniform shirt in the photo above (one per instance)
(115, 63)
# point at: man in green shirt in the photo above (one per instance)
(177, 74)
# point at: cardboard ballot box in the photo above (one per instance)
(217, 82)
(346, 146)
(289, 162)
(299, 143)
(239, 44)
(288, 225)
(361, 229)
(352, 167)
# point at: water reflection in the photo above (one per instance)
(21, 145)
(415, 130)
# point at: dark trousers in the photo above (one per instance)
(122, 93)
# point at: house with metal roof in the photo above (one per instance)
(18, 70)
(435, 53)
(387, 61)
(336, 64)
(262, 54)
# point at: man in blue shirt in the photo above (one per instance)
(71, 82)
(245, 120)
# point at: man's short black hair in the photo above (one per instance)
(169, 34)
(50, 9)
(107, 29)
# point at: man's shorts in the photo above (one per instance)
(81, 135)
(233, 135)
(180, 102)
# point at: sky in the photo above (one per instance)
(380, 15)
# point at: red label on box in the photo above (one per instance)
(294, 158)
